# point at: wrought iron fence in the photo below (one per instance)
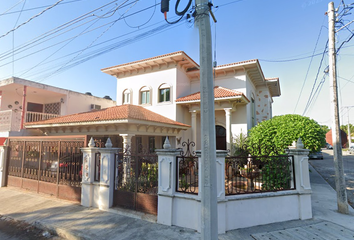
(187, 170)
(137, 171)
(258, 174)
(49, 161)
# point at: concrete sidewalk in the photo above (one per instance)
(73, 221)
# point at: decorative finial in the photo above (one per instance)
(109, 143)
(91, 143)
(299, 144)
(167, 144)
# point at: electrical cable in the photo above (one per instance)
(30, 19)
(34, 8)
(13, 39)
(139, 26)
(318, 71)
(40, 43)
(11, 8)
(308, 69)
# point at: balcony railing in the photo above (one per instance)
(10, 120)
(36, 116)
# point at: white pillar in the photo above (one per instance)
(3, 160)
(167, 183)
(127, 144)
(302, 179)
(228, 128)
(88, 174)
(194, 126)
(105, 199)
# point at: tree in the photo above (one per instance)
(273, 136)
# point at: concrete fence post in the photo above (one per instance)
(88, 174)
(106, 189)
(167, 182)
(3, 167)
(302, 178)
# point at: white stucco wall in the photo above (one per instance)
(153, 80)
(77, 102)
(263, 104)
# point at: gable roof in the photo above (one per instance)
(219, 93)
(148, 64)
(117, 114)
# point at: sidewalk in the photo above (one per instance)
(73, 221)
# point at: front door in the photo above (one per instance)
(220, 133)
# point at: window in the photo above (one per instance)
(164, 93)
(126, 96)
(253, 111)
(151, 144)
(145, 95)
(139, 144)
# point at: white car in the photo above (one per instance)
(351, 150)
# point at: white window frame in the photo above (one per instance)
(165, 87)
(127, 95)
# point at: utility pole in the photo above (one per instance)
(342, 202)
(209, 214)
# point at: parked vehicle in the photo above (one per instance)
(316, 155)
(351, 150)
(329, 146)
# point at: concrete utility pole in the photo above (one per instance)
(207, 187)
(337, 143)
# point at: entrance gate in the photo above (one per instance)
(50, 166)
(137, 182)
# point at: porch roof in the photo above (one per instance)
(119, 114)
(220, 93)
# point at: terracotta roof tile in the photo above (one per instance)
(219, 92)
(123, 112)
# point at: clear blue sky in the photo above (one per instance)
(273, 31)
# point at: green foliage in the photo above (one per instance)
(345, 128)
(273, 136)
(240, 145)
(276, 175)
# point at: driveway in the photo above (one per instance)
(325, 167)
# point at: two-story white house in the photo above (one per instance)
(170, 85)
(23, 101)
(167, 87)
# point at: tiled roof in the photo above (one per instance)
(237, 63)
(123, 112)
(219, 92)
(151, 59)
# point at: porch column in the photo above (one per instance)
(88, 174)
(105, 199)
(23, 114)
(127, 144)
(3, 158)
(194, 126)
(302, 178)
(167, 182)
(228, 128)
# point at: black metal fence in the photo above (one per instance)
(243, 174)
(187, 170)
(137, 171)
(259, 174)
(49, 161)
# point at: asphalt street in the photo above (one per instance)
(325, 167)
(11, 229)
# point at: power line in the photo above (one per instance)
(30, 19)
(34, 8)
(308, 69)
(318, 72)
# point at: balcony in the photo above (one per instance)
(10, 120)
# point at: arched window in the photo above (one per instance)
(126, 96)
(164, 93)
(145, 95)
